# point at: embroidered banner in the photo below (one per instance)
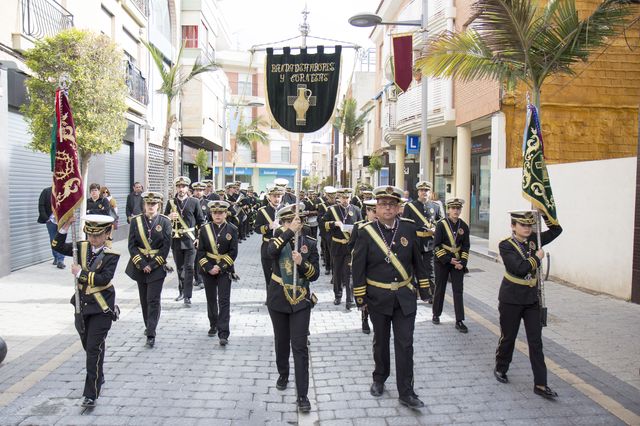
(302, 89)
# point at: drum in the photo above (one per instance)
(312, 221)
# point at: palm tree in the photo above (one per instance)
(249, 135)
(352, 126)
(173, 80)
(518, 41)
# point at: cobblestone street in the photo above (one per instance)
(592, 346)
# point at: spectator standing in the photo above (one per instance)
(134, 202)
(45, 215)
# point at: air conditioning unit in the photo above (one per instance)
(392, 93)
(443, 157)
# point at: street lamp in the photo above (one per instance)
(226, 105)
(371, 20)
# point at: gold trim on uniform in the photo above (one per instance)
(393, 286)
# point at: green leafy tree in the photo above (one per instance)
(352, 125)
(375, 163)
(249, 135)
(97, 91)
(202, 161)
(522, 41)
(173, 78)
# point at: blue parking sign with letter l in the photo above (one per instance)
(413, 144)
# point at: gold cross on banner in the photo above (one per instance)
(301, 103)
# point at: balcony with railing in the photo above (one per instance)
(136, 83)
(409, 108)
(390, 133)
(43, 18)
(142, 6)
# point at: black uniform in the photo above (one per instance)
(218, 245)
(425, 215)
(386, 288)
(322, 206)
(339, 250)
(149, 245)
(265, 216)
(100, 206)
(518, 300)
(351, 246)
(184, 251)
(451, 241)
(288, 198)
(97, 300)
(290, 313)
(310, 209)
(206, 215)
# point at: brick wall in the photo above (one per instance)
(474, 99)
(590, 116)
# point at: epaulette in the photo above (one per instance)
(365, 223)
(406, 219)
(310, 238)
(109, 250)
(165, 216)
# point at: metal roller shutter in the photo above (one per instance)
(29, 174)
(117, 177)
(156, 168)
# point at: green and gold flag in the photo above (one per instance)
(536, 186)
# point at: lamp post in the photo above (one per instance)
(226, 105)
(371, 20)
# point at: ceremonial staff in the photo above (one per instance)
(67, 187)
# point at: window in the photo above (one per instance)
(130, 45)
(244, 154)
(244, 84)
(106, 23)
(190, 36)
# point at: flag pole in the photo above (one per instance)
(297, 185)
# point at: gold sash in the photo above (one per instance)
(337, 219)
(185, 229)
(392, 256)
(453, 249)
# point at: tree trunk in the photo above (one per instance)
(351, 183)
(165, 148)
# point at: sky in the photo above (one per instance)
(253, 22)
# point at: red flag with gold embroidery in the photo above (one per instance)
(67, 191)
(403, 61)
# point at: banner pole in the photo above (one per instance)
(296, 186)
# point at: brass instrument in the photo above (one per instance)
(175, 224)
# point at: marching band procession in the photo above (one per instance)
(382, 251)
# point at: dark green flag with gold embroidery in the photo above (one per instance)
(536, 186)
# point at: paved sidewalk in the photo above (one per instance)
(592, 346)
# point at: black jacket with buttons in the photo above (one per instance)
(369, 264)
(308, 270)
(225, 238)
(158, 234)
(97, 271)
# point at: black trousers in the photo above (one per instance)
(267, 264)
(510, 316)
(197, 272)
(218, 291)
(324, 248)
(443, 272)
(427, 259)
(290, 331)
(96, 329)
(150, 302)
(314, 231)
(184, 259)
(403, 326)
(341, 275)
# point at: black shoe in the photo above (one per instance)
(151, 341)
(376, 388)
(411, 401)
(336, 301)
(211, 332)
(435, 320)
(348, 307)
(429, 300)
(365, 327)
(461, 327)
(304, 406)
(61, 265)
(223, 341)
(88, 402)
(179, 298)
(281, 383)
(545, 393)
(500, 376)
(187, 302)
(55, 262)
(265, 303)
